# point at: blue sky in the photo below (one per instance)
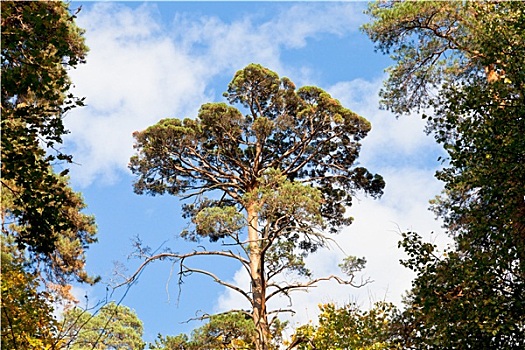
(153, 60)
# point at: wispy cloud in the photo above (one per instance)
(135, 75)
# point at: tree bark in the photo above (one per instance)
(260, 318)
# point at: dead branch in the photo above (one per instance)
(188, 270)
(181, 258)
(312, 283)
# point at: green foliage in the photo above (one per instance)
(277, 197)
(464, 61)
(179, 342)
(453, 304)
(348, 327)
(44, 233)
(112, 327)
(216, 222)
(233, 330)
(352, 264)
(40, 42)
(68, 256)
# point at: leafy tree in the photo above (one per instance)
(232, 330)
(44, 232)
(463, 63)
(40, 42)
(179, 342)
(278, 178)
(226, 331)
(26, 319)
(348, 327)
(112, 327)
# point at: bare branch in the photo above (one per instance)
(206, 316)
(176, 256)
(312, 283)
(278, 311)
(188, 270)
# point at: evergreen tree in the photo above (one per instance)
(279, 178)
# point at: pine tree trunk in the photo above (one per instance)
(258, 282)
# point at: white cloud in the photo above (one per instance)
(390, 138)
(233, 45)
(329, 19)
(231, 300)
(135, 76)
